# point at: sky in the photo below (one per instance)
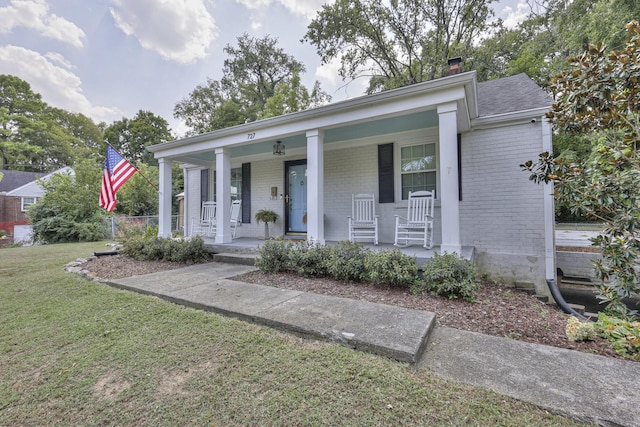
(108, 59)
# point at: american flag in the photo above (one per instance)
(116, 172)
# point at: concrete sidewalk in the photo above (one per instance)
(583, 386)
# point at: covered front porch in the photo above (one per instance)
(356, 146)
(251, 245)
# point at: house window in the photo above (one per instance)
(236, 184)
(418, 168)
(28, 201)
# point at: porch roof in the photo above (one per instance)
(403, 109)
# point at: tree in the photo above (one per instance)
(552, 33)
(139, 197)
(87, 137)
(255, 71)
(131, 137)
(209, 107)
(68, 211)
(396, 43)
(600, 93)
(37, 137)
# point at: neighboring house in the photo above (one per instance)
(19, 190)
(461, 138)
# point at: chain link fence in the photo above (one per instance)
(115, 223)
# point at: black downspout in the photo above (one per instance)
(555, 292)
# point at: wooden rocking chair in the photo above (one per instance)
(363, 222)
(418, 224)
(236, 216)
(206, 224)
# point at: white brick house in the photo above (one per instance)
(472, 135)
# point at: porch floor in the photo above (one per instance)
(251, 245)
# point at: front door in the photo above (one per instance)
(295, 198)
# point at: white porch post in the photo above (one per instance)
(185, 213)
(164, 194)
(315, 186)
(223, 195)
(450, 206)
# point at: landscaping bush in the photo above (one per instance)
(578, 330)
(347, 261)
(391, 267)
(274, 256)
(134, 228)
(624, 335)
(145, 248)
(310, 259)
(447, 275)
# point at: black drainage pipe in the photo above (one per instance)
(555, 292)
(105, 253)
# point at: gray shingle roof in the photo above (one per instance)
(14, 179)
(509, 94)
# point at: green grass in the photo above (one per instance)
(76, 352)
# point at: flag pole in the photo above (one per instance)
(141, 174)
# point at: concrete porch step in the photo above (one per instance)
(236, 258)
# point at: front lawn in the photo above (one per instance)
(76, 352)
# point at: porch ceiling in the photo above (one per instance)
(335, 135)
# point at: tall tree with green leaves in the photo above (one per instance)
(37, 137)
(255, 71)
(131, 137)
(599, 95)
(399, 42)
(554, 31)
(68, 211)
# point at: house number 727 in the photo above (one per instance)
(251, 135)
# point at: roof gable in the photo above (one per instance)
(510, 94)
(14, 179)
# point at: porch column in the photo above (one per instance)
(223, 195)
(164, 194)
(449, 204)
(315, 186)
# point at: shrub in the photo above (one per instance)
(624, 335)
(578, 330)
(447, 275)
(391, 267)
(143, 248)
(310, 259)
(3, 234)
(274, 256)
(347, 261)
(131, 228)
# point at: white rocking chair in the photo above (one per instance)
(236, 218)
(363, 222)
(418, 224)
(206, 224)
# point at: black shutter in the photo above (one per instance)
(385, 173)
(246, 193)
(459, 167)
(204, 185)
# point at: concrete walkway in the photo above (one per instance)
(583, 386)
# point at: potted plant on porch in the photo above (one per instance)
(266, 216)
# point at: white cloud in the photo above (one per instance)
(306, 8)
(59, 87)
(515, 17)
(180, 31)
(34, 14)
(56, 57)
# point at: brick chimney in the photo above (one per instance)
(455, 66)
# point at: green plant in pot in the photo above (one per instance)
(266, 216)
